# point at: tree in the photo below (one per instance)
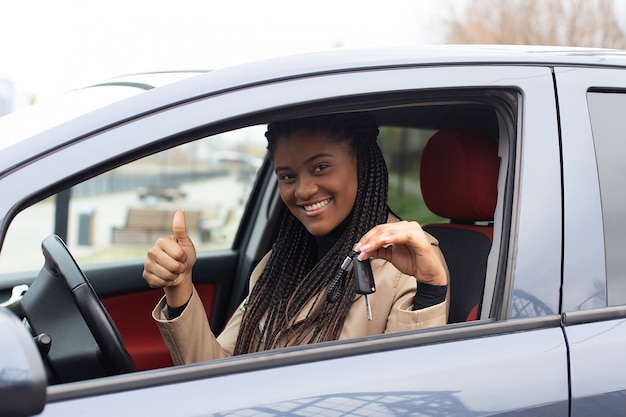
(589, 23)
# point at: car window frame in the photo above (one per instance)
(584, 269)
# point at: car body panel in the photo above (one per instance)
(598, 386)
(536, 268)
(367, 383)
(595, 334)
(584, 275)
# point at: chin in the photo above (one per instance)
(319, 231)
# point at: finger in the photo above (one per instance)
(166, 269)
(409, 233)
(153, 281)
(179, 227)
(380, 236)
(159, 280)
(379, 240)
(163, 270)
(165, 248)
(166, 258)
(385, 252)
(154, 272)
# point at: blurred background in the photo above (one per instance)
(49, 47)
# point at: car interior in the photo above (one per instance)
(455, 146)
(459, 179)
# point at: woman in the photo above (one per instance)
(333, 179)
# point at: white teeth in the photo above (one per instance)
(317, 205)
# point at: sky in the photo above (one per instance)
(51, 46)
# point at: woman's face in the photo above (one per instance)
(317, 179)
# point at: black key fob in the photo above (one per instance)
(363, 277)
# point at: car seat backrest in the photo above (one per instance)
(459, 178)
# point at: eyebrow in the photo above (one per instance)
(306, 161)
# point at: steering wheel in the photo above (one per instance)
(62, 303)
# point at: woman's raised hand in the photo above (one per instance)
(408, 248)
(169, 263)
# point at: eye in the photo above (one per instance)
(320, 167)
(285, 177)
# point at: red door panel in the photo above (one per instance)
(132, 316)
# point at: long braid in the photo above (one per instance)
(369, 210)
(291, 279)
(279, 289)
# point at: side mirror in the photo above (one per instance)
(23, 378)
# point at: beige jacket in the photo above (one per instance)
(190, 339)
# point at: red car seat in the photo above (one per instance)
(459, 181)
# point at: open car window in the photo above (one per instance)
(118, 215)
(223, 183)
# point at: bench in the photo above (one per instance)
(146, 225)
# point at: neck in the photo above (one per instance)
(326, 242)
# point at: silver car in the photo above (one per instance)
(511, 157)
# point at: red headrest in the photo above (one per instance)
(459, 174)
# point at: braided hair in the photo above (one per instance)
(293, 279)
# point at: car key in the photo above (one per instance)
(364, 281)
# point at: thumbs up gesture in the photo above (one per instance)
(169, 263)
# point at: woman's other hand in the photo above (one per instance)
(408, 248)
(169, 264)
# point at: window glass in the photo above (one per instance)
(609, 131)
(118, 215)
(402, 149)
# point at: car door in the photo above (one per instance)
(487, 367)
(594, 293)
(110, 221)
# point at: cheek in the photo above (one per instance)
(285, 193)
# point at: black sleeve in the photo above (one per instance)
(429, 295)
(173, 312)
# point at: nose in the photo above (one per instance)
(305, 188)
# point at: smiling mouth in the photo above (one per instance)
(317, 206)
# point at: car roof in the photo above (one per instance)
(293, 67)
(356, 59)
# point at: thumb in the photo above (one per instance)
(179, 227)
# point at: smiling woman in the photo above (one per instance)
(316, 179)
(333, 180)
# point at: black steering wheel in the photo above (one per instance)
(62, 304)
